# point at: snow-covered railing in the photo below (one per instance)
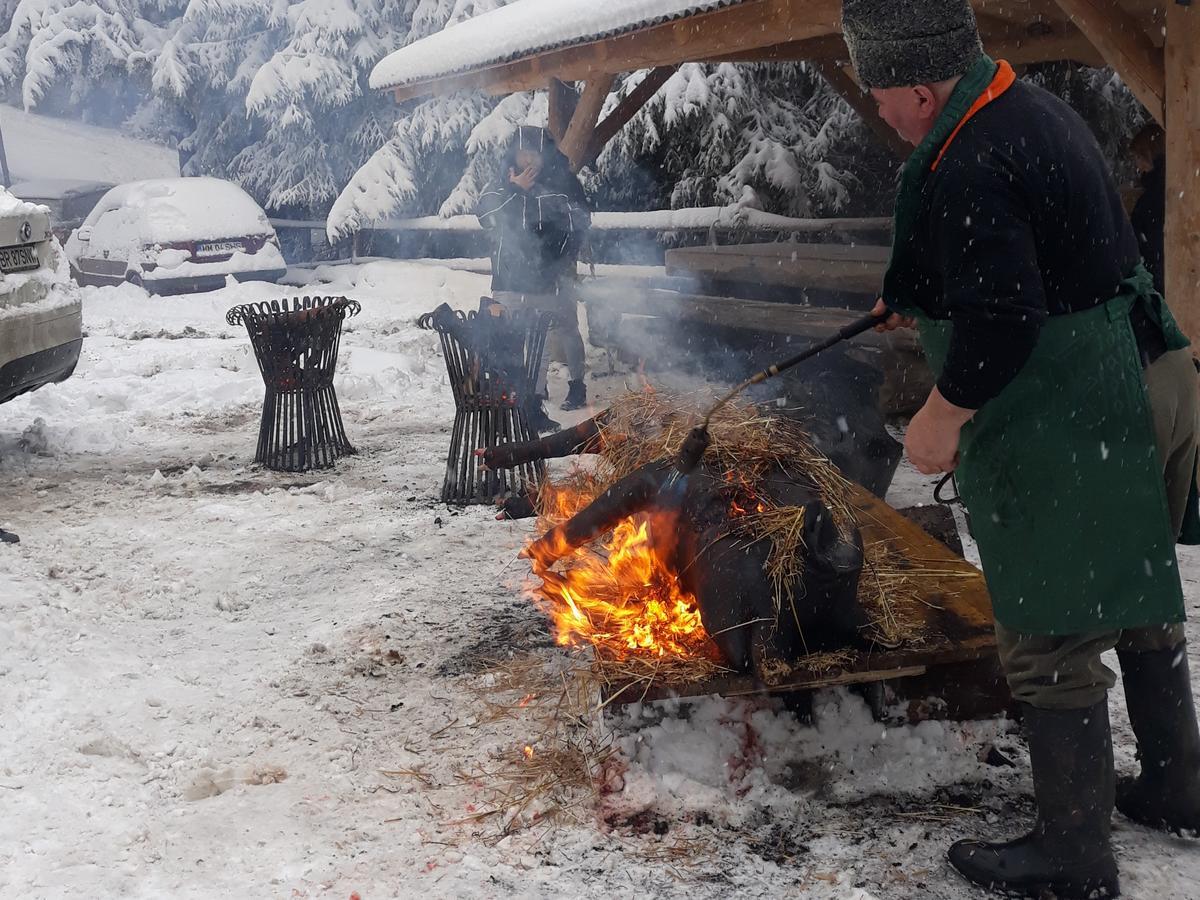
(720, 218)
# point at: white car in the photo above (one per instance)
(175, 235)
(41, 318)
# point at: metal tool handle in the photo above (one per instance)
(855, 328)
(698, 439)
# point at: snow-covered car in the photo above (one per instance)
(175, 235)
(41, 319)
(68, 199)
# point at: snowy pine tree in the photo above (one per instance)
(84, 60)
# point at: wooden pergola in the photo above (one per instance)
(1154, 45)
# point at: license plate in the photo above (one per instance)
(19, 259)
(220, 248)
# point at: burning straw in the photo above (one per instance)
(646, 427)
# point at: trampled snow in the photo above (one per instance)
(522, 28)
(224, 682)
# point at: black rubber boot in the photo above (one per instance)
(576, 396)
(1158, 691)
(1068, 854)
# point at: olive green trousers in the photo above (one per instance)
(1065, 671)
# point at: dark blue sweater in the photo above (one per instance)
(1021, 220)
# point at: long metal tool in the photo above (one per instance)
(697, 440)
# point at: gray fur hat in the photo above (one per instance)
(899, 43)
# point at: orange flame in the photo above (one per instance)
(622, 596)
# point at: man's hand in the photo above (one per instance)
(526, 180)
(931, 441)
(893, 321)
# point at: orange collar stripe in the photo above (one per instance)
(1005, 78)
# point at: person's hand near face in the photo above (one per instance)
(529, 164)
(525, 180)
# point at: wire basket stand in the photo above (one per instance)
(492, 359)
(296, 344)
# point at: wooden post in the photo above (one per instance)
(848, 89)
(627, 109)
(579, 133)
(562, 102)
(1182, 237)
(1119, 36)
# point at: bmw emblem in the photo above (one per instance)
(26, 232)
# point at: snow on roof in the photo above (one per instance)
(47, 147)
(522, 28)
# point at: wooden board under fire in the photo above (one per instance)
(957, 633)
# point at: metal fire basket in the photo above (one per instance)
(492, 359)
(296, 344)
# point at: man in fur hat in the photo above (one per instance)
(1067, 407)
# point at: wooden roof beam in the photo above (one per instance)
(748, 25)
(580, 132)
(562, 101)
(1019, 45)
(627, 109)
(1126, 47)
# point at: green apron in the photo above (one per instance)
(1060, 471)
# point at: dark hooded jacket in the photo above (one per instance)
(535, 234)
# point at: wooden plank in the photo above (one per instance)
(863, 104)
(627, 109)
(787, 250)
(1128, 49)
(836, 268)
(624, 296)
(1182, 237)
(897, 355)
(583, 123)
(562, 100)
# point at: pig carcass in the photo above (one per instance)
(695, 529)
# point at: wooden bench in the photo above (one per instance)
(840, 268)
(898, 355)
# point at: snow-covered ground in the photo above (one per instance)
(224, 682)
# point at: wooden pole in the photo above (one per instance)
(579, 133)
(1182, 237)
(1119, 36)
(627, 109)
(562, 102)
